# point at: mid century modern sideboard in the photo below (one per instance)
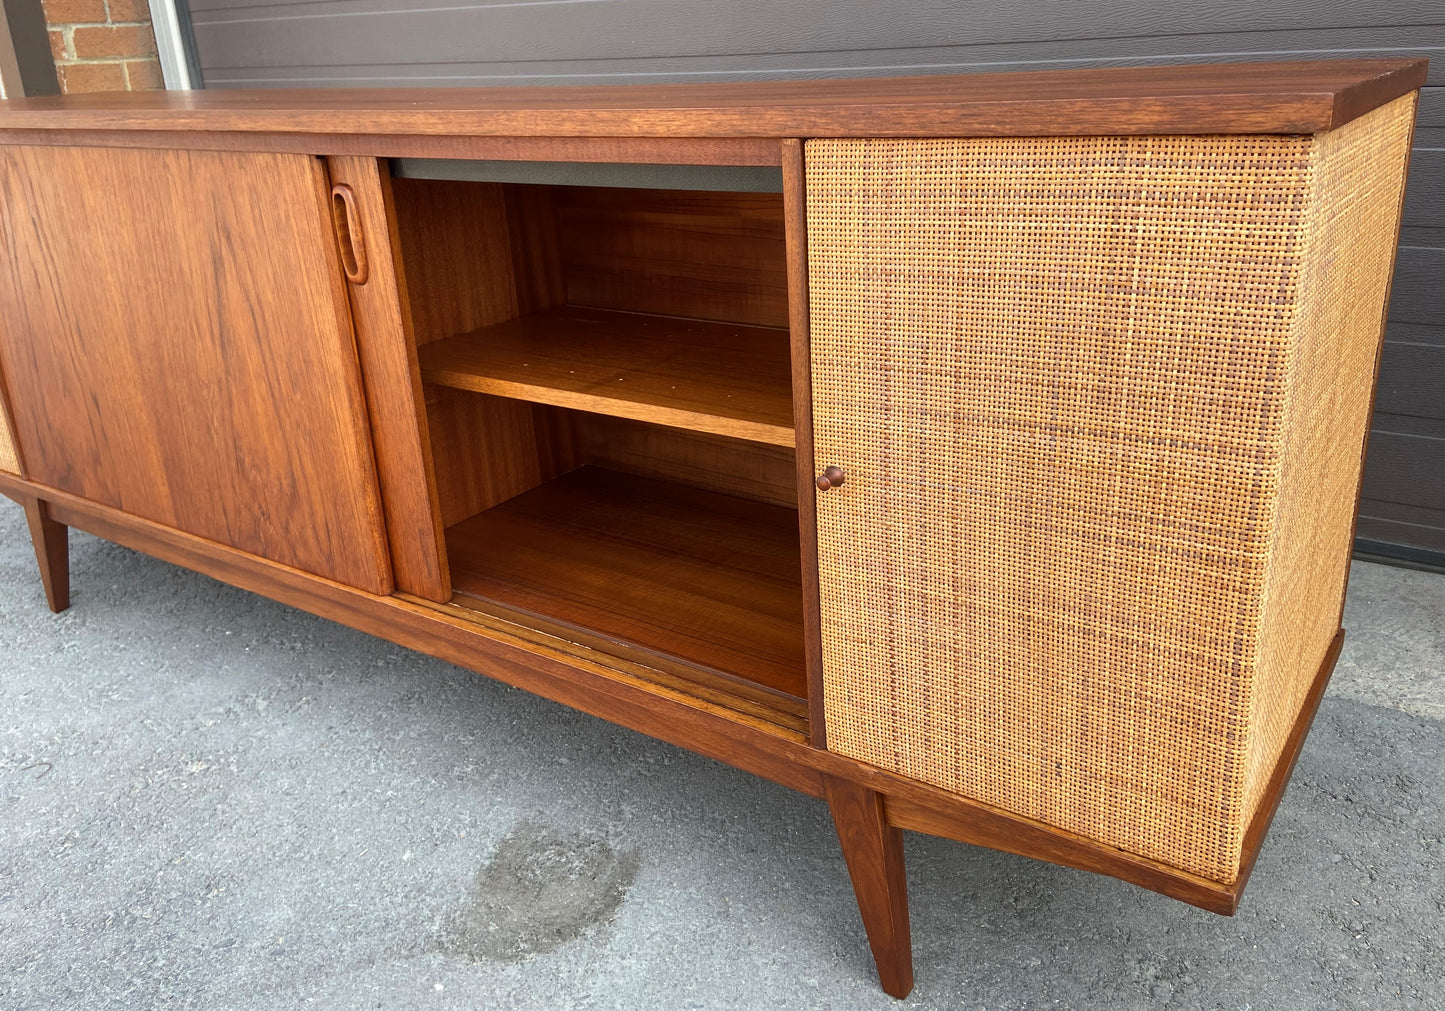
(980, 453)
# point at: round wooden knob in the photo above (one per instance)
(831, 477)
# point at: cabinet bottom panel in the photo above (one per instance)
(691, 575)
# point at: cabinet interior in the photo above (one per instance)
(609, 397)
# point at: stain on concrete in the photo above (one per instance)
(540, 890)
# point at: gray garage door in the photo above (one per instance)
(402, 43)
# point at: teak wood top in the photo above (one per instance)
(1299, 97)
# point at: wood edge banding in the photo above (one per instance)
(795, 223)
(1247, 97)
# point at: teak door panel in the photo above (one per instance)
(178, 325)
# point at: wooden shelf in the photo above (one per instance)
(721, 378)
(655, 567)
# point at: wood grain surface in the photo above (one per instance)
(487, 450)
(720, 378)
(462, 269)
(709, 255)
(178, 325)
(747, 701)
(381, 314)
(873, 850)
(454, 244)
(704, 577)
(729, 151)
(51, 541)
(795, 211)
(1303, 97)
(751, 470)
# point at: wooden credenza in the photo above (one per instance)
(980, 454)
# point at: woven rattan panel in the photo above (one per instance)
(1359, 174)
(9, 458)
(1057, 373)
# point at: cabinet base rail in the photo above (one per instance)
(870, 807)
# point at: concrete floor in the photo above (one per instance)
(209, 800)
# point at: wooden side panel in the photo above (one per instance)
(675, 253)
(455, 244)
(750, 470)
(536, 256)
(387, 351)
(461, 267)
(179, 324)
(486, 449)
(795, 207)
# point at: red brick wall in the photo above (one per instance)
(102, 45)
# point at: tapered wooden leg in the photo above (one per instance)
(52, 551)
(873, 850)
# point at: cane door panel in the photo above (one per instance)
(1100, 403)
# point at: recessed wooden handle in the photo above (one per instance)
(831, 477)
(348, 233)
